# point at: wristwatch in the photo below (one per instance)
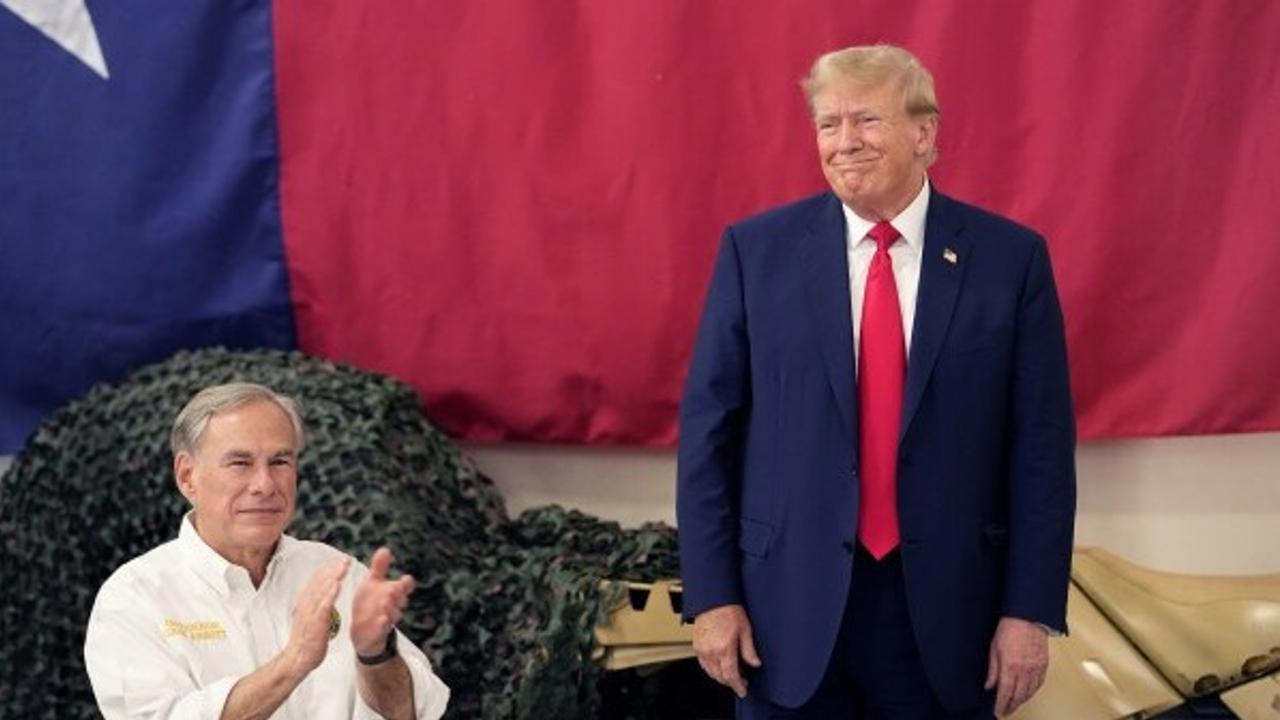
(387, 653)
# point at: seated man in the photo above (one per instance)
(235, 619)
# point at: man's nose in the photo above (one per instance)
(849, 138)
(261, 483)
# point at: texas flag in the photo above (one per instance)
(514, 205)
(139, 176)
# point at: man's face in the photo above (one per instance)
(873, 153)
(242, 479)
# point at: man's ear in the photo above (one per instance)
(184, 467)
(927, 138)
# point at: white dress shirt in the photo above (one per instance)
(905, 254)
(173, 630)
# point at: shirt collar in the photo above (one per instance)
(225, 576)
(909, 223)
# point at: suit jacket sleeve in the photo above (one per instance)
(716, 398)
(1042, 493)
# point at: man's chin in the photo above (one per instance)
(266, 530)
(850, 185)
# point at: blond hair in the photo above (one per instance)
(875, 66)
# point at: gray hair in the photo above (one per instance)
(191, 422)
(875, 65)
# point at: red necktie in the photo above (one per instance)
(882, 371)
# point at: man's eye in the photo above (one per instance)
(239, 463)
(281, 461)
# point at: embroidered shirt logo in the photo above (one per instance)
(198, 630)
(335, 623)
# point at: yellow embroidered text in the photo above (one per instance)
(207, 630)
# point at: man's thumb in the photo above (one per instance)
(748, 649)
(993, 667)
(380, 563)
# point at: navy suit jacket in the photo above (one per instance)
(767, 496)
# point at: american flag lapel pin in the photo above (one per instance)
(950, 256)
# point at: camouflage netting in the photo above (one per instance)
(504, 607)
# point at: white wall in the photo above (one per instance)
(1201, 504)
(1198, 504)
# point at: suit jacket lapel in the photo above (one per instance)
(826, 263)
(945, 255)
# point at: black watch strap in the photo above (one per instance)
(387, 653)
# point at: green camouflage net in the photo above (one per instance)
(505, 608)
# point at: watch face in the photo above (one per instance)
(335, 623)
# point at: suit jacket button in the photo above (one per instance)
(848, 546)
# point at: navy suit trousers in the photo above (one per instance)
(875, 672)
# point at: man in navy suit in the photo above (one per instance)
(876, 471)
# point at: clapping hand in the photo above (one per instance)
(312, 615)
(379, 602)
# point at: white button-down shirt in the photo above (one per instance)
(905, 254)
(172, 631)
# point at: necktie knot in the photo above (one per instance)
(884, 235)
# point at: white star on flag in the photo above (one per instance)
(67, 23)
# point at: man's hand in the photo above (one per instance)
(378, 604)
(312, 613)
(1018, 662)
(263, 691)
(720, 636)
